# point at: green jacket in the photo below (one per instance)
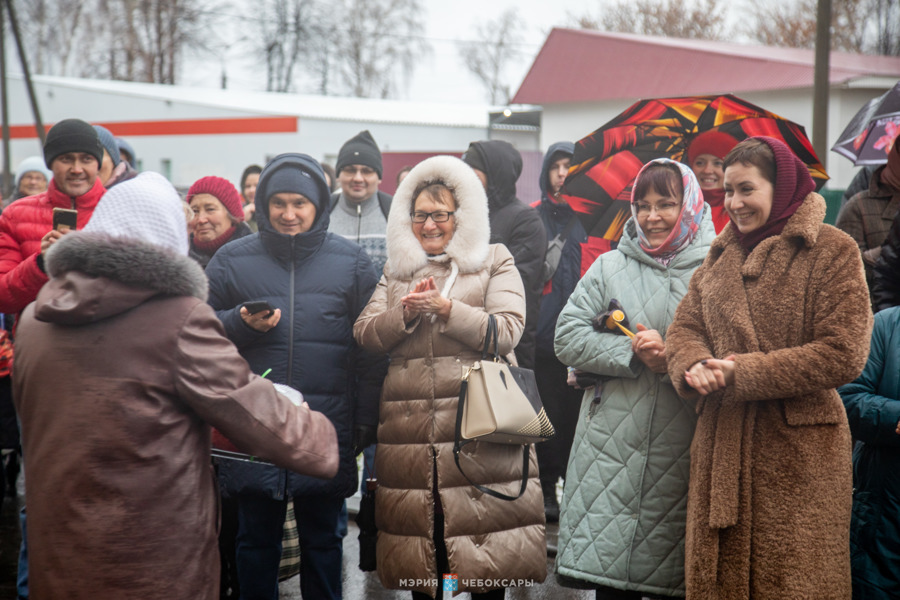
(625, 499)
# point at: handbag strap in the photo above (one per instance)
(490, 338)
(458, 443)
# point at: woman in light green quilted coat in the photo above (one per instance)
(621, 530)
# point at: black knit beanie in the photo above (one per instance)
(72, 135)
(472, 157)
(361, 149)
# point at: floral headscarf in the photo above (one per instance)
(688, 220)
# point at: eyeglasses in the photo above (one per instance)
(663, 209)
(438, 216)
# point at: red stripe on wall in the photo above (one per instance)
(183, 127)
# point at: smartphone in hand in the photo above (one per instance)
(259, 306)
(65, 219)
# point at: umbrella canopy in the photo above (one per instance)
(606, 162)
(868, 138)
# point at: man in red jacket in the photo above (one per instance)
(73, 153)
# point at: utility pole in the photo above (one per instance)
(8, 14)
(821, 87)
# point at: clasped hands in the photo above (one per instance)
(425, 299)
(711, 374)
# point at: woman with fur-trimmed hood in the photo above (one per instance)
(430, 313)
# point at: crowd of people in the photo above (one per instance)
(727, 420)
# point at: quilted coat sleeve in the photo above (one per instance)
(213, 379)
(20, 277)
(504, 298)
(578, 344)
(873, 416)
(837, 353)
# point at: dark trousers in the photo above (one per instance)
(260, 528)
(562, 404)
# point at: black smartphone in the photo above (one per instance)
(258, 306)
(65, 219)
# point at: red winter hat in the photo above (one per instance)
(223, 190)
(713, 142)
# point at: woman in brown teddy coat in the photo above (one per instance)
(776, 317)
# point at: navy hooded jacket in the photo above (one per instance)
(321, 282)
(556, 218)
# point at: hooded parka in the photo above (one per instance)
(625, 499)
(770, 490)
(487, 539)
(517, 226)
(121, 368)
(321, 282)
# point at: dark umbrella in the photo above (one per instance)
(868, 137)
(606, 162)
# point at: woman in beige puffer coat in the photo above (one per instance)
(430, 313)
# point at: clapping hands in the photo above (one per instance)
(425, 299)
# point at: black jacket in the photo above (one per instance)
(517, 226)
(321, 282)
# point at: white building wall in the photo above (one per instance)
(186, 158)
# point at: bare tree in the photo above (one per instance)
(794, 25)
(284, 27)
(493, 51)
(374, 42)
(669, 18)
(137, 40)
(885, 15)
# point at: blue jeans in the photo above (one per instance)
(260, 527)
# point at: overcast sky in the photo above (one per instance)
(441, 76)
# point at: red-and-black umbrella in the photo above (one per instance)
(606, 162)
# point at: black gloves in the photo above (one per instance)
(363, 437)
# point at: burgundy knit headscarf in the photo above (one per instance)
(791, 186)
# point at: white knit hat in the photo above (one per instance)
(33, 163)
(145, 208)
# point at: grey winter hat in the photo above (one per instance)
(145, 208)
(108, 141)
(361, 149)
(72, 135)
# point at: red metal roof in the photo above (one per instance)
(577, 65)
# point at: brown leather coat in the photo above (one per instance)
(770, 487)
(117, 385)
(487, 539)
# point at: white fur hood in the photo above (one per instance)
(469, 246)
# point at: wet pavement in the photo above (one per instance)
(358, 585)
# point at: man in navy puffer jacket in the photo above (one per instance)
(318, 284)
